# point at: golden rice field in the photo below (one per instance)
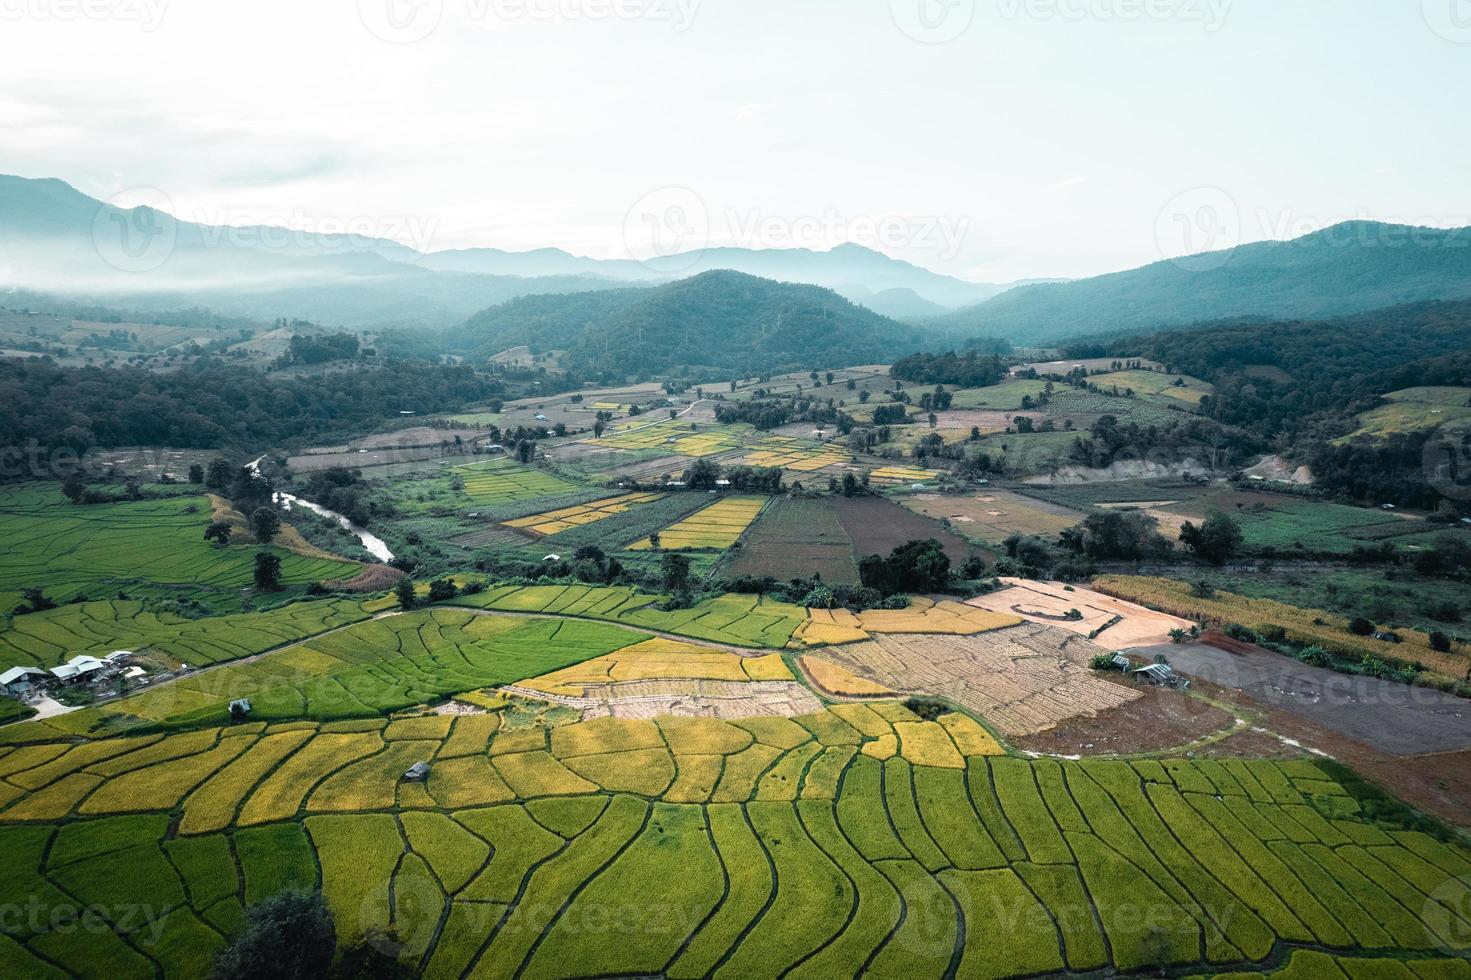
(679, 441)
(793, 454)
(504, 480)
(661, 659)
(898, 475)
(828, 627)
(836, 680)
(557, 521)
(718, 526)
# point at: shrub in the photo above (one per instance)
(289, 936)
(1439, 642)
(1359, 626)
(1104, 662)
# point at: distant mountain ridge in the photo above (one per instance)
(54, 238)
(1349, 268)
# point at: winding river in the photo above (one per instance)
(371, 543)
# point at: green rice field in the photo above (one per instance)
(809, 849)
(74, 549)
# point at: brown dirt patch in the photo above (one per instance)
(995, 515)
(1122, 624)
(1159, 719)
(877, 525)
(795, 538)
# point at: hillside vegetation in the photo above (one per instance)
(1349, 268)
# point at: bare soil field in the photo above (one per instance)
(1090, 364)
(1118, 625)
(1023, 680)
(988, 422)
(877, 526)
(1391, 718)
(796, 538)
(995, 515)
(1158, 720)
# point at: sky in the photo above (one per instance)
(994, 140)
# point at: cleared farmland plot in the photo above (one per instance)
(893, 476)
(877, 526)
(1112, 623)
(1174, 388)
(677, 439)
(797, 538)
(557, 521)
(995, 515)
(503, 480)
(860, 840)
(715, 527)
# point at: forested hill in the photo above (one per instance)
(1290, 376)
(717, 324)
(1350, 268)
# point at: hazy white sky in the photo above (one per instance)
(1042, 138)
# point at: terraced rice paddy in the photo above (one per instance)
(716, 527)
(98, 628)
(557, 521)
(69, 548)
(363, 671)
(736, 620)
(859, 840)
(503, 480)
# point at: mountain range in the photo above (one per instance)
(53, 238)
(56, 240)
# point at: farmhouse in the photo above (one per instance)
(80, 669)
(417, 773)
(19, 681)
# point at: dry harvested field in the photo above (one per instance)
(1022, 680)
(797, 538)
(896, 476)
(995, 515)
(877, 526)
(837, 681)
(1113, 624)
